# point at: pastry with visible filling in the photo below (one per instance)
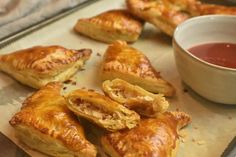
(153, 137)
(40, 65)
(135, 97)
(110, 26)
(168, 14)
(44, 123)
(129, 64)
(101, 110)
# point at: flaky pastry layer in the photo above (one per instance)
(110, 26)
(129, 64)
(152, 137)
(168, 14)
(46, 124)
(40, 65)
(135, 97)
(101, 110)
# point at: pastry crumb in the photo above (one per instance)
(98, 54)
(177, 109)
(67, 81)
(193, 140)
(201, 142)
(83, 88)
(91, 90)
(82, 69)
(185, 90)
(74, 83)
(229, 117)
(182, 140)
(64, 88)
(183, 133)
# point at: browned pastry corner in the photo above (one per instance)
(110, 26)
(135, 98)
(129, 64)
(39, 65)
(47, 125)
(101, 110)
(153, 137)
(168, 14)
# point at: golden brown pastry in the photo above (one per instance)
(154, 137)
(101, 110)
(168, 14)
(39, 65)
(47, 125)
(129, 64)
(110, 26)
(135, 97)
(207, 9)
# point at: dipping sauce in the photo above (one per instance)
(222, 54)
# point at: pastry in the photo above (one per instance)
(39, 65)
(208, 9)
(153, 137)
(129, 64)
(46, 124)
(168, 14)
(135, 97)
(110, 26)
(101, 110)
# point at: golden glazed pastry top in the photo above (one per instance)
(46, 112)
(44, 60)
(151, 138)
(125, 62)
(119, 20)
(110, 26)
(206, 9)
(168, 14)
(128, 60)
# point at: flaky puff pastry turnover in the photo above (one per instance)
(153, 137)
(101, 110)
(44, 123)
(127, 63)
(110, 26)
(135, 98)
(168, 14)
(40, 65)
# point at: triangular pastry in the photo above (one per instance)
(164, 14)
(110, 26)
(168, 14)
(39, 65)
(153, 137)
(101, 110)
(135, 97)
(127, 63)
(47, 125)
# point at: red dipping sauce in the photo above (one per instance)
(222, 54)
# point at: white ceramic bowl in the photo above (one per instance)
(213, 82)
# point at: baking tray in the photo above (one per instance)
(213, 125)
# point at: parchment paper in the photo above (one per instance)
(213, 126)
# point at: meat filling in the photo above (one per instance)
(107, 118)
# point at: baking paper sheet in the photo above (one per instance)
(213, 125)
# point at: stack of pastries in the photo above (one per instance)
(132, 110)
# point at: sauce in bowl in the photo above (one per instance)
(222, 54)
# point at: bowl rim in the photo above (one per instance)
(212, 17)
